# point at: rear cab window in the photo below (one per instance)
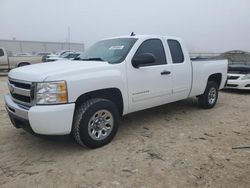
(176, 51)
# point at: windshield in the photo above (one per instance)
(111, 50)
(239, 68)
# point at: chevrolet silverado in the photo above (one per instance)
(87, 96)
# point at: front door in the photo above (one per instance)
(151, 84)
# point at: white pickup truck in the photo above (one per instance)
(10, 62)
(86, 97)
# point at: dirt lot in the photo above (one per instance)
(176, 145)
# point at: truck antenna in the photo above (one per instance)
(132, 34)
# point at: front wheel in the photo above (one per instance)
(210, 96)
(95, 123)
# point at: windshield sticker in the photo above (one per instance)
(116, 47)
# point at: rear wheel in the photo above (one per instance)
(95, 123)
(209, 98)
(23, 64)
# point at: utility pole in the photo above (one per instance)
(69, 36)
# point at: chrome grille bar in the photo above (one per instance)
(20, 91)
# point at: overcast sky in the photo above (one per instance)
(206, 25)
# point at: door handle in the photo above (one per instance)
(165, 73)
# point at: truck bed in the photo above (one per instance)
(202, 69)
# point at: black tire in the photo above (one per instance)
(204, 101)
(84, 113)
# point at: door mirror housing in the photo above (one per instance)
(143, 59)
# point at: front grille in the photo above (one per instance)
(20, 85)
(233, 77)
(21, 98)
(20, 91)
(232, 85)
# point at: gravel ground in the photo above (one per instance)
(175, 145)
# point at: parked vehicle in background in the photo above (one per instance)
(64, 56)
(23, 54)
(10, 62)
(56, 55)
(59, 53)
(117, 76)
(72, 56)
(43, 54)
(239, 76)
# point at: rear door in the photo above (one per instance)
(150, 85)
(181, 69)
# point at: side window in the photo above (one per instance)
(155, 47)
(176, 51)
(1, 52)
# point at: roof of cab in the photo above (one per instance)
(144, 37)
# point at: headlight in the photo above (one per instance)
(51, 92)
(246, 77)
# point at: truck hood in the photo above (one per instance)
(40, 72)
(239, 68)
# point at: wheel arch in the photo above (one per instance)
(216, 77)
(112, 94)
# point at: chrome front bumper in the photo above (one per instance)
(15, 109)
(42, 120)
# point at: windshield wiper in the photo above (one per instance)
(91, 59)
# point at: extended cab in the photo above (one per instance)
(117, 76)
(10, 62)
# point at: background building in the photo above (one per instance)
(20, 46)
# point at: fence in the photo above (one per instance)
(18, 46)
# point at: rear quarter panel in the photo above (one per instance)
(201, 72)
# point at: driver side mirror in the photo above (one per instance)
(143, 59)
